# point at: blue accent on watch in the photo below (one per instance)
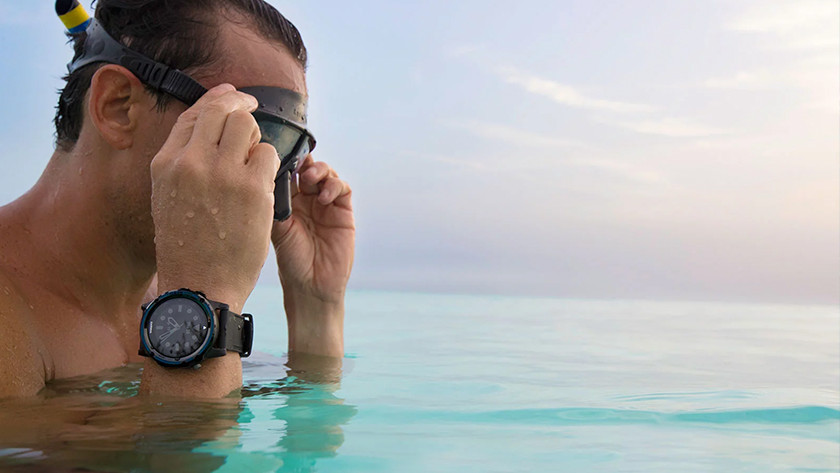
(175, 311)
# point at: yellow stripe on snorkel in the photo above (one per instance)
(75, 18)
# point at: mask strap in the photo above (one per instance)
(101, 47)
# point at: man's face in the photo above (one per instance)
(247, 59)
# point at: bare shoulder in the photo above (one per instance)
(22, 370)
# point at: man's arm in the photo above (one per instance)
(212, 205)
(314, 250)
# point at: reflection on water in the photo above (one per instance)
(449, 384)
(96, 423)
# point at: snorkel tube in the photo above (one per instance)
(73, 15)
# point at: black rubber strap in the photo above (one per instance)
(182, 87)
(236, 332)
(101, 47)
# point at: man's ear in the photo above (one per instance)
(116, 103)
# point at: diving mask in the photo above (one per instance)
(281, 114)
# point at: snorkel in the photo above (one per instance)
(281, 113)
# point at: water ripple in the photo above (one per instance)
(601, 416)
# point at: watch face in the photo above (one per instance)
(178, 328)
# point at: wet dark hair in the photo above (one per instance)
(178, 33)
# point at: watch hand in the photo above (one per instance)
(168, 334)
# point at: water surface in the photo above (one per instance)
(477, 383)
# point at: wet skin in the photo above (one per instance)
(81, 250)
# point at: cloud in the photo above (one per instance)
(510, 135)
(545, 165)
(565, 94)
(570, 96)
(671, 127)
(628, 171)
(483, 164)
(744, 80)
(799, 24)
(811, 75)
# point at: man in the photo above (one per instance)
(145, 194)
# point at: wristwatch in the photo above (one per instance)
(183, 328)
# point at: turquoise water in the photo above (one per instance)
(450, 383)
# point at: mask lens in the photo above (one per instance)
(301, 154)
(283, 137)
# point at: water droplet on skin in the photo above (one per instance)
(6, 290)
(173, 193)
(31, 306)
(180, 242)
(222, 235)
(190, 214)
(80, 171)
(214, 210)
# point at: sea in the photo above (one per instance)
(475, 383)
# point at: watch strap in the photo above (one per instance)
(236, 332)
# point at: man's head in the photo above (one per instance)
(114, 125)
(185, 35)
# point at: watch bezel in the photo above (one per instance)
(197, 355)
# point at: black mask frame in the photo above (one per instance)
(277, 106)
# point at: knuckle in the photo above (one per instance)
(241, 121)
(162, 160)
(189, 164)
(157, 165)
(220, 89)
(188, 117)
(159, 159)
(265, 151)
(216, 107)
(264, 158)
(245, 97)
(244, 117)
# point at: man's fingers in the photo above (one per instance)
(307, 162)
(214, 113)
(263, 164)
(182, 131)
(319, 179)
(240, 135)
(313, 175)
(331, 189)
(344, 200)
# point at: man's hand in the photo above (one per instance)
(212, 199)
(212, 205)
(315, 255)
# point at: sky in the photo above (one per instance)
(638, 149)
